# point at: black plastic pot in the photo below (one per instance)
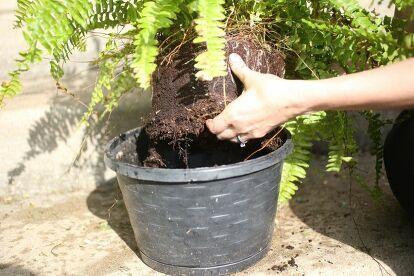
(399, 159)
(202, 221)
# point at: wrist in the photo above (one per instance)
(309, 96)
(314, 95)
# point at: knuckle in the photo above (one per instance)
(232, 117)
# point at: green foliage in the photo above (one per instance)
(374, 191)
(114, 13)
(155, 15)
(38, 21)
(303, 134)
(342, 146)
(115, 79)
(375, 123)
(325, 38)
(13, 86)
(404, 4)
(210, 29)
(104, 81)
(320, 38)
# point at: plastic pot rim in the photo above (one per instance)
(200, 174)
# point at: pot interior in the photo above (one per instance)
(206, 151)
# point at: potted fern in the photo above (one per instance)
(177, 51)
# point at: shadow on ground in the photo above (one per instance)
(14, 269)
(62, 119)
(106, 203)
(383, 229)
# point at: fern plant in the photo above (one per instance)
(315, 35)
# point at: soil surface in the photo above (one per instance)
(207, 151)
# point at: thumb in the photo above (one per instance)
(240, 69)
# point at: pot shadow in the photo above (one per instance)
(381, 229)
(63, 117)
(106, 203)
(15, 269)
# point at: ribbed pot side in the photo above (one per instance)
(212, 220)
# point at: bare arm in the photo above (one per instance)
(269, 101)
(386, 87)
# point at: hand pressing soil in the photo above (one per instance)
(181, 105)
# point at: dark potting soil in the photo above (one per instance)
(181, 104)
(176, 135)
(206, 151)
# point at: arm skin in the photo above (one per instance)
(269, 101)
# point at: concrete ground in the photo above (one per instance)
(85, 231)
(59, 216)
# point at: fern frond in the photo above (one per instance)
(51, 23)
(386, 50)
(112, 13)
(22, 12)
(47, 24)
(295, 166)
(406, 6)
(103, 83)
(60, 27)
(122, 84)
(210, 30)
(360, 18)
(115, 78)
(339, 132)
(13, 86)
(155, 16)
(375, 123)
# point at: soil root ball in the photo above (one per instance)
(181, 104)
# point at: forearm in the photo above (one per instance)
(386, 87)
(269, 101)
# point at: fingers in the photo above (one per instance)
(227, 134)
(240, 69)
(226, 125)
(218, 124)
(219, 127)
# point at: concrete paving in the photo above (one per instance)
(86, 231)
(60, 217)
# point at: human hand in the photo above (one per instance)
(266, 102)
